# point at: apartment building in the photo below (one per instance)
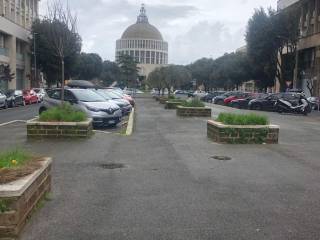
(16, 17)
(307, 73)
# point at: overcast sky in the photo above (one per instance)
(193, 28)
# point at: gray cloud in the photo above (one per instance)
(194, 29)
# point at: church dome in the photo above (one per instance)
(142, 29)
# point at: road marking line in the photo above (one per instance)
(17, 121)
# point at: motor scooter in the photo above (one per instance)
(303, 106)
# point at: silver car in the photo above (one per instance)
(3, 100)
(101, 111)
(111, 96)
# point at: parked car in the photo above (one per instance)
(268, 103)
(132, 91)
(3, 100)
(111, 96)
(30, 96)
(40, 92)
(220, 99)
(102, 112)
(199, 94)
(243, 103)
(209, 96)
(236, 96)
(180, 92)
(315, 103)
(124, 96)
(15, 98)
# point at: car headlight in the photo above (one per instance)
(93, 109)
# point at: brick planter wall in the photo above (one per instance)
(163, 100)
(36, 129)
(235, 134)
(173, 104)
(193, 111)
(21, 197)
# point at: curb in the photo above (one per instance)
(129, 130)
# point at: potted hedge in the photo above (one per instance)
(24, 181)
(232, 128)
(60, 121)
(193, 108)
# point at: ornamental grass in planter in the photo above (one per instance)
(242, 129)
(193, 108)
(60, 122)
(24, 181)
(17, 163)
(63, 113)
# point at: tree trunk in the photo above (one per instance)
(62, 83)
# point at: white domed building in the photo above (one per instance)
(145, 44)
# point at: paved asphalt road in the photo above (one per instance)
(19, 113)
(172, 189)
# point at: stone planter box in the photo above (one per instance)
(36, 129)
(193, 111)
(163, 100)
(21, 197)
(172, 104)
(238, 134)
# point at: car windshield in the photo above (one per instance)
(113, 95)
(86, 95)
(104, 94)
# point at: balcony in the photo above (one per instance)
(4, 52)
(282, 4)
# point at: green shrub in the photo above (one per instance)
(242, 119)
(193, 103)
(63, 113)
(14, 158)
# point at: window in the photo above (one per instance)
(132, 53)
(68, 96)
(142, 57)
(153, 55)
(1, 40)
(55, 94)
(147, 57)
(157, 58)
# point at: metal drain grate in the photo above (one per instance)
(222, 158)
(112, 165)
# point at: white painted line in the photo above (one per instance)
(16, 121)
(11, 122)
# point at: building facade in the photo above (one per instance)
(16, 17)
(145, 44)
(307, 72)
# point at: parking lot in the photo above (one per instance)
(171, 188)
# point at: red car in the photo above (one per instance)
(228, 100)
(30, 96)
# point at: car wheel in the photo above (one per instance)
(235, 105)
(41, 110)
(256, 107)
(13, 104)
(220, 102)
(5, 105)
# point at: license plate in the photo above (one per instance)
(112, 122)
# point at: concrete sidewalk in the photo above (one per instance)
(173, 189)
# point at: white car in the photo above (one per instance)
(199, 94)
(40, 92)
(3, 100)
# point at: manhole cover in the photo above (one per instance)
(112, 165)
(222, 158)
